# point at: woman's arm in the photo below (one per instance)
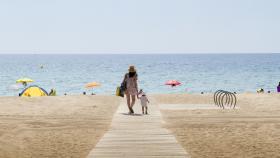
(124, 78)
(136, 84)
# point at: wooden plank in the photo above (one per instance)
(137, 136)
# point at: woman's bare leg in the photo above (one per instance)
(131, 104)
(133, 101)
(128, 101)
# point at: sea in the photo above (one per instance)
(69, 73)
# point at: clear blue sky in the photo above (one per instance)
(139, 26)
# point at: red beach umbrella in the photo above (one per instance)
(172, 83)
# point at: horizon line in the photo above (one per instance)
(128, 53)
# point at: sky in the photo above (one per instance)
(139, 26)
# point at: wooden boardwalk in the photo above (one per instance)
(137, 136)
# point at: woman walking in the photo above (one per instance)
(131, 87)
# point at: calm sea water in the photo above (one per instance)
(202, 72)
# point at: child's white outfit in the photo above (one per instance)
(144, 100)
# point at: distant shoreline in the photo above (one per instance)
(96, 53)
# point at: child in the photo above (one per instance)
(144, 100)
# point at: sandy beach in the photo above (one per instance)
(139, 79)
(253, 130)
(64, 126)
(71, 126)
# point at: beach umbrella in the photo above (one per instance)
(172, 83)
(92, 84)
(24, 80)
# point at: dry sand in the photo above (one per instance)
(253, 130)
(70, 126)
(65, 126)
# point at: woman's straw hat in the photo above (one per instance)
(131, 69)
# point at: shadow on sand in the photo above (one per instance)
(131, 114)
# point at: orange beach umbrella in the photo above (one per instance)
(92, 84)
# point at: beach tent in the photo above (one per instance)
(33, 91)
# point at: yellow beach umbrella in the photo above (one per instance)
(92, 84)
(24, 80)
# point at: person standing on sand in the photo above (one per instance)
(278, 88)
(131, 87)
